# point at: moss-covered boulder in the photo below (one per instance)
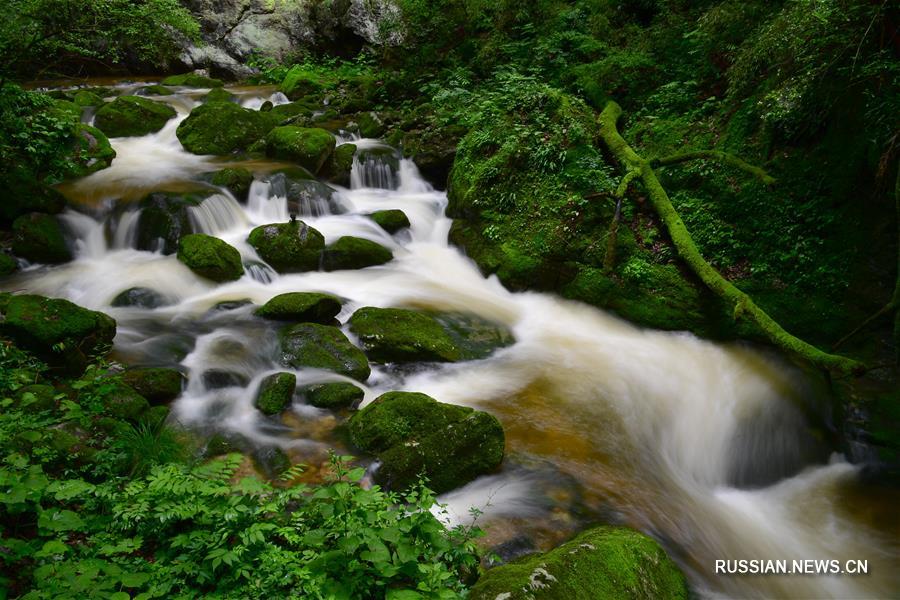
(305, 195)
(236, 180)
(604, 562)
(275, 393)
(8, 264)
(310, 345)
(222, 128)
(156, 90)
(210, 257)
(412, 433)
(288, 247)
(340, 163)
(61, 333)
(301, 307)
(87, 98)
(371, 124)
(291, 110)
(91, 150)
(334, 396)
(354, 253)
(391, 220)
(124, 402)
(192, 80)
(220, 95)
(39, 238)
(132, 116)
(300, 81)
(139, 297)
(158, 385)
(309, 147)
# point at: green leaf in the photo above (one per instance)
(59, 520)
(403, 595)
(134, 579)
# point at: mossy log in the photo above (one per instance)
(742, 305)
(722, 157)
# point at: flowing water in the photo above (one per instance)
(714, 450)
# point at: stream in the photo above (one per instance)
(715, 450)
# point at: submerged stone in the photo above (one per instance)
(210, 257)
(334, 395)
(156, 90)
(288, 247)
(132, 116)
(413, 434)
(310, 345)
(275, 393)
(309, 307)
(140, 297)
(354, 253)
(391, 220)
(39, 238)
(221, 128)
(308, 147)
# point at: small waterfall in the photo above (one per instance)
(411, 181)
(217, 214)
(126, 230)
(256, 102)
(264, 206)
(90, 238)
(375, 168)
(347, 137)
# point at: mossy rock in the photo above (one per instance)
(299, 82)
(275, 393)
(310, 345)
(221, 128)
(92, 150)
(128, 116)
(301, 307)
(334, 396)
(8, 265)
(36, 397)
(156, 90)
(305, 195)
(603, 562)
(158, 385)
(340, 163)
(192, 80)
(288, 247)
(350, 252)
(123, 402)
(23, 195)
(236, 180)
(210, 257)
(308, 147)
(56, 330)
(220, 95)
(164, 219)
(391, 220)
(87, 98)
(370, 124)
(290, 110)
(66, 110)
(140, 297)
(39, 238)
(413, 434)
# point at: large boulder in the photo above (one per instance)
(88, 98)
(236, 180)
(158, 385)
(604, 562)
(125, 402)
(192, 80)
(301, 307)
(132, 116)
(275, 393)
(39, 238)
(61, 333)
(308, 147)
(210, 257)
(350, 252)
(222, 128)
(391, 220)
(310, 345)
(92, 150)
(8, 264)
(413, 434)
(288, 247)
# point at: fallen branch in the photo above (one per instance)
(722, 157)
(609, 260)
(742, 305)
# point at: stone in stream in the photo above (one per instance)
(87, 98)
(305, 195)
(155, 90)
(391, 220)
(217, 379)
(334, 395)
(288, 247)
(221, 128)
(308, 147)
(340, 163)
(125, 402)
(350, 252)
(140, 297)
(412, 434)
(395, 335)
(132, 116)
(164, 219)
(8, 264)
(370, 124)
(236, 180)
(220, 95)
(310, 345)
(275, 393)
(301, 307)
(158, 385)
(39, 238)
(192, 80)
(602, 562)
(92, 150)
(210, 257)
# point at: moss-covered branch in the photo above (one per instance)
(742, 305)
(722, 157)
(609, 260)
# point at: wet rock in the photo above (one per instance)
(210, 257)
(310, 345)
(235, 180)
(378, 167)
(391, 220)
(275, 393)
(157, 384)
(266, 106)
(291, 110)
(305, 195)
(221, 128)
(354, 253)
(87, 98)
(412, 433)
(220, 95)
(155, 90)
(91, 151)
(36, 397)
(271, 461)
(299, 82)
(340, 163)
(334, 396)
(301, 307)
(8, 264)
(603, 562)
(140, 297)
(39, 238)
(164, 219)
(217, 379)
(227, 305)
(308, 147)
(192, 80)
(132, 116)
(288, 247)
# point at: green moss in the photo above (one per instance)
(413, 434)
(354, 253)
(220, 95)
(192, 80)
(155, 416)
(308, 307)
(310, 345)
(164, 219)
(291, 109)
(87, 98)
(210, 257)
(603, 562)
(25, 195)
(397, 335)
(275, 393)
(8, 265)
(237, 180)
(288, 247)
(370, 124)
(334, 396)
(36, 397)
(92, 150)
(132, 116)
(158, 90)
(158, 385)
(308, 147)
(299, 82)
(391, 220)
(124, 402)
(340, 163)
(39, 238)
(221, 128)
